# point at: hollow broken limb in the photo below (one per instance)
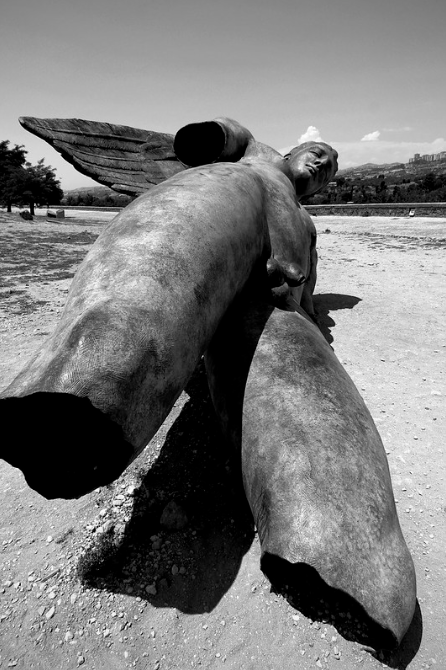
(140, 312)
(314, 468)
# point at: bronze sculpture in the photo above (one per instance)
(145, 303)
(314, 468)
(151, 297)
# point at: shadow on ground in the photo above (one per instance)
(304, 589)
(193, 567)
(324, 303)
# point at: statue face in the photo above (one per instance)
(313, 165)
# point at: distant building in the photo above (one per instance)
(428, 158)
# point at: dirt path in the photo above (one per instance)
(99, 583)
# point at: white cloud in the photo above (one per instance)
(311, 134)
(384, 151)
(371, 137)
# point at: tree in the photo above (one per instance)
(429, 182)
(41, 187)
(21, 182)
(12, 173)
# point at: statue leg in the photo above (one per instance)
(140, 313)
(314, 468)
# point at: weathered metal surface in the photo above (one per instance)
(129, 160)
(314, 468)
(140, 312)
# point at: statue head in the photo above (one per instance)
(312, 165)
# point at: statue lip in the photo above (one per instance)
(312, 168)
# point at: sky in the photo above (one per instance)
(367, 76)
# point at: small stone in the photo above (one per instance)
(175, 569)
(106, 632)
(131, 490)
(50, 613)
(41, 610)
(151, 589)
(117, 502)
(107, 526)
(80, 660)
(103, 512)
(173, 516)
(68, 636)
(182, 570)
(73, 598)
(13, 663)
(49, 538)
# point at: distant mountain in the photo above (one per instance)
(100, 196)
(97, 191)
(407, 170)
(371, 168)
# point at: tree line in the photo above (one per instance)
(22, 183)
(91, 199)
(382, 188)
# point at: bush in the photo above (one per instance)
(27, 216)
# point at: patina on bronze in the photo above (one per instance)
(314, 468)
(155, 292)
(146, 302)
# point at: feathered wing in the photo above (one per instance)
(129, 160)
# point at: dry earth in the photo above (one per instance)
(101, 583)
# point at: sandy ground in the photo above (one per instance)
(99, 583)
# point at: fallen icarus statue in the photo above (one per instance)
(159, 288)
(144, 305)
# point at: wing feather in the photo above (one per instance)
(129, 160)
